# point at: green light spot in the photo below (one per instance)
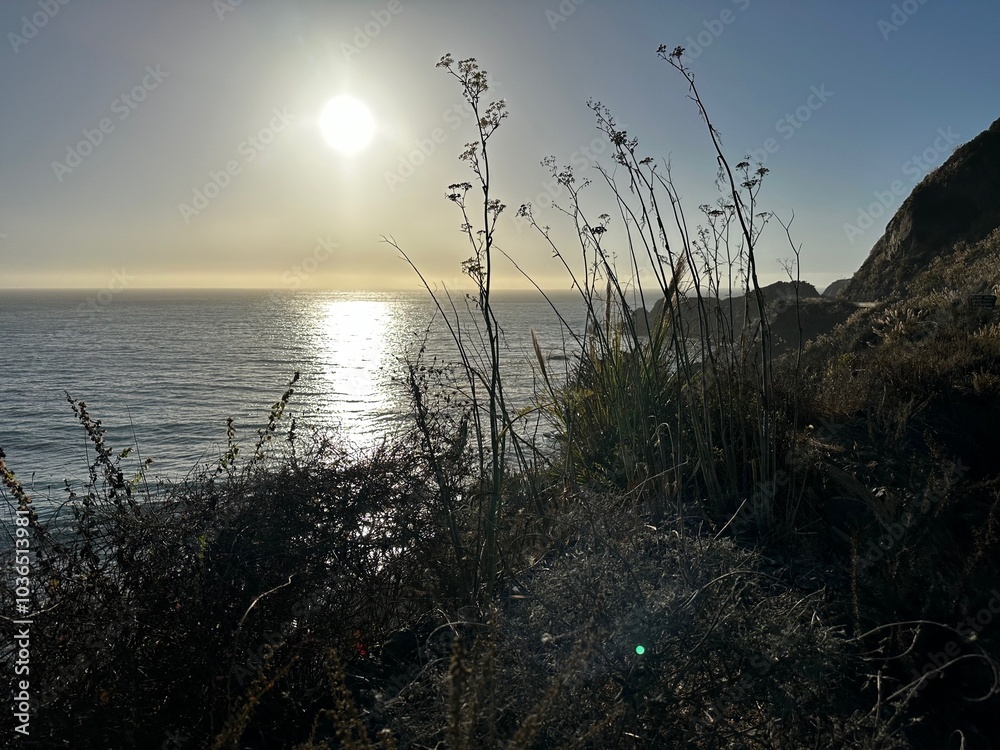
(640, 650)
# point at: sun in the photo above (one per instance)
(347, 124)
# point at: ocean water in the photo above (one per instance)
(163, 370)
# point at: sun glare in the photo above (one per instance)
(347, 124)
(354, 341)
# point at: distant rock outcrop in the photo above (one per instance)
(833, 291)
(784, 291)
(957, 202)
(816, 314)
(776, 296)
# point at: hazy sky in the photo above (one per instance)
(118, 115)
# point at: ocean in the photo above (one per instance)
(163, 370)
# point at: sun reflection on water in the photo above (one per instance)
(355, 340)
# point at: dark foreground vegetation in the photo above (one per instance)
(724, 548)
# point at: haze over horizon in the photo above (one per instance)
(192, 145)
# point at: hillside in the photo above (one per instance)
(957, 202)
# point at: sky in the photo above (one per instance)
(153, 144)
